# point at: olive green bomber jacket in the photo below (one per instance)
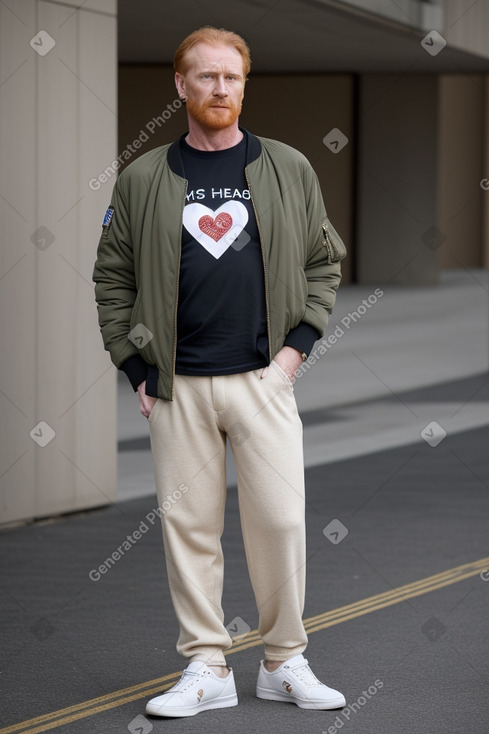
(138, 259)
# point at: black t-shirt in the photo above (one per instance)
(221, 326)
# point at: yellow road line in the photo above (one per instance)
(312, 624)
(108, 697)
(387, 598)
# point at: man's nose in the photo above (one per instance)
(220, 88)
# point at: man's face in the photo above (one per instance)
(213, 85)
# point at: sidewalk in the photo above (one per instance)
(360, 395)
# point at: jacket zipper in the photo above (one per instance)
(269, 332)
(330, 245)
(175, 320)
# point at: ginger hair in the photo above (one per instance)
(215, 37)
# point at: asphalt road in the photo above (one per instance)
(82, 652)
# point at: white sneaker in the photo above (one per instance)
(198, 689)
(295, 682)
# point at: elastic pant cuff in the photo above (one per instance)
(280, 655)
(215, 657)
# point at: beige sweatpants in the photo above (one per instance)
(188, 441)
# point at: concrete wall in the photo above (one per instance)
(422, 141)
(466, 24)
(462, 128)
(57, 388)
(485, 179)
(397, 215)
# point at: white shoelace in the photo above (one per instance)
(305, 674)
(188, 679)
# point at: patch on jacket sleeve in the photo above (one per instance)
(107, 222)
(108, 217)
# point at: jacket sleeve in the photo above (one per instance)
(115, 283)
(325, 250)
(302, 337)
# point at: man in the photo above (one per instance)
(216, 270)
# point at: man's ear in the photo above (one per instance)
(180, 85)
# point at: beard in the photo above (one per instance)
(210, 117)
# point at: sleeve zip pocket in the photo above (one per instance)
(333, 242)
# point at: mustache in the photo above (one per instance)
(203, 111)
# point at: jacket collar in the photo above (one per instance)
(253, 150)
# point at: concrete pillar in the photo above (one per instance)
(398, 238)
(461, 169)
(58, 130)
(485, 179)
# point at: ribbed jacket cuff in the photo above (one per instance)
(136, 369)
(302, 337)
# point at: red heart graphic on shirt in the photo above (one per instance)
(216, 228)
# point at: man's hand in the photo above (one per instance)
(289, 359)
(146, 402)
